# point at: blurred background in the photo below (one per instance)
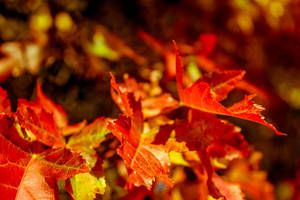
(71, 45)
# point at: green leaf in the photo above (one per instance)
(89, 138)
(86, 186)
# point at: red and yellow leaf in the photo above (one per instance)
(30, 176)
(144, 161)
(39, 124)
(152, 105)
(89, 138)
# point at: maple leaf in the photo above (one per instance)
(251, 179)
(145, 161)
(4, 102)
(39, 124)
(89, 138)
(200, 96)
(10, 129)
(202, 130)
(45, 121)
(229, 190)
(222, 82)
(208, 135)
(30, 176)
(152, 105)
(59, 114)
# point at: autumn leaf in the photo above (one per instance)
(86, 186)
(207, 41)
(45, 121)
(208, 135)
(200, 96)
(59, 114)
(4, 102)
(222, 82)
(229, 190)
(89, 138)
(39, 124)
(131, 108)
(152, 104)
(30, 176)
(202, 130)
(251, 179)
(144, 161)
(11, 129)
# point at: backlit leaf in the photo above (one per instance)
(29, 176)
(144, 161)
(86, 186)
(200, 96)
(89, 138)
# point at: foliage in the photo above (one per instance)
(35, 154)
(178, 134)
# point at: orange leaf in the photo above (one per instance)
(144, 161)
(200, 96)
(29, 176)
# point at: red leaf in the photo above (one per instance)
(59, 114)
(4, 102)
(251, 179)
(222, 82)
(204, 129)
(28, 176)
(208, 42)
(229, 190)
(39, 122)
(131, 107)
(47, 121)
(151, 105)
(208, 135)
(145, 161)
(200, 96)
(9, 130)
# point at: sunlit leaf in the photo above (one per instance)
(86, 186)
(200, 96)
